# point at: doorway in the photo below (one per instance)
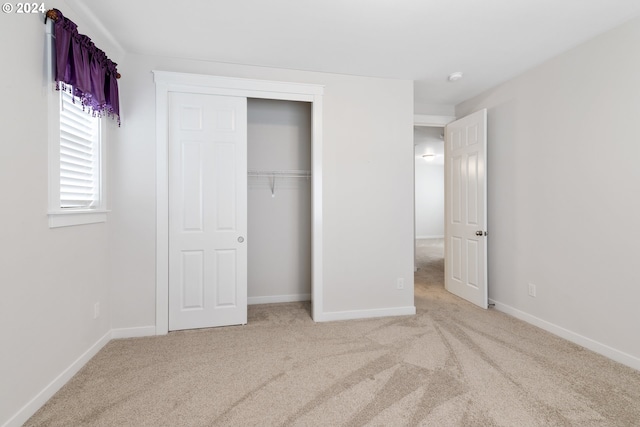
(429, 195)
(279, 201)
(429, 205)
(465, 213)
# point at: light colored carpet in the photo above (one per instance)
(450, 365)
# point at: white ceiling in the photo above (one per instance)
(490, 41)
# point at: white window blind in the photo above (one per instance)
(79, 156)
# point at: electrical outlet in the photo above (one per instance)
(96, 310)
(532, 290)
(400, 283)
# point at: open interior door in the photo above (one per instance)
(466, 208)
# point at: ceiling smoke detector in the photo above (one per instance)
(454, 77)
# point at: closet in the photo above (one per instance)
(279, 201)
(203, 200)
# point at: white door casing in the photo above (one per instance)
(207, 210)
(466, 208)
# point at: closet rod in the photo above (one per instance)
(281, 173)
(272, 175)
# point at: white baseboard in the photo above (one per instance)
(603, 349)
(365, 314)
(278, 298)
(430, 237)
(141, 331)
(41, 398)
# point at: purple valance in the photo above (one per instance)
(80, 64)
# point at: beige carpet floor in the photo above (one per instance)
(450, 365)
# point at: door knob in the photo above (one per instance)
(240, 239)
(479, 233)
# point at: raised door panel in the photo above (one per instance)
(465, 209)
(207, 211)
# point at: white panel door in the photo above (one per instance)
(207, 211)
(466, 208)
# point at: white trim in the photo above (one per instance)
(65, 219)
(236, 86)
(53, 134)
(317, 280)
(278, 298)
(432, 121)
(367, 314)
(140, 331)
(196, 83)
(431, 237)
(595, 346)
(46, 393)
(162, 209)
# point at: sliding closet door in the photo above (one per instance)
(207, 210)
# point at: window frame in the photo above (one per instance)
(58, 216)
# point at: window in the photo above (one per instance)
(76, 164)
(79, 156)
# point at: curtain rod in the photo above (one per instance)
(53, 15)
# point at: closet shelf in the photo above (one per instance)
(281, 173)
(272, 175)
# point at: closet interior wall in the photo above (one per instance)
(279, 203)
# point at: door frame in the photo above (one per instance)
(167, 82)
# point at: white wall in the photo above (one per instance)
(49, 278)
(563, 192)
(429, 202)
(279, 225)
(367, 188)
(434, 109)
